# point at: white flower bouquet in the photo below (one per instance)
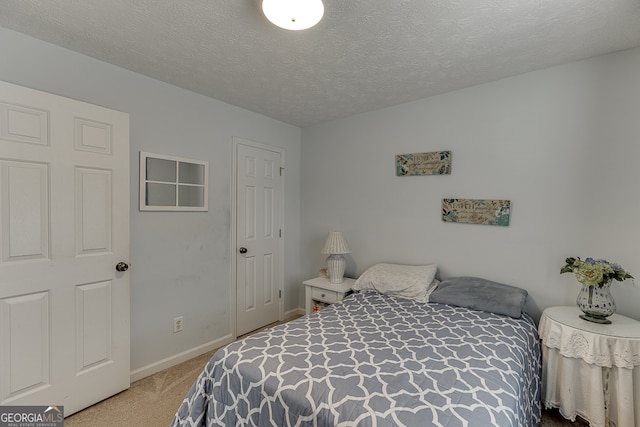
(595, 272)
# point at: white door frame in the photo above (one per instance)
(234, 250)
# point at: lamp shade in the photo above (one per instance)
(336, 244)
(293, 14)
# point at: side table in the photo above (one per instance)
(319, 292)
(589, 369)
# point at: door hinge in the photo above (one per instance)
(281, 232)
(281, 169)
(279, 293)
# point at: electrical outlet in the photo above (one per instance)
(177, 324)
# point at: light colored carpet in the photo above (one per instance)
(149, 402)
(152, 401)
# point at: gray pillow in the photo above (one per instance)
(480, 294)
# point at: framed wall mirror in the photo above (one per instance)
(169, 183)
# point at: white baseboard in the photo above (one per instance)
(163, 364)
(295, 312)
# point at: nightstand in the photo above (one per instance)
(319, 292)
(589, 369)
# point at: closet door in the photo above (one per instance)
(258, 234)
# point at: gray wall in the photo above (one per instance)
(562, 144)
(180, 262)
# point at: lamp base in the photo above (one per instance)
(336, 265)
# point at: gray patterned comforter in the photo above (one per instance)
(375, 360)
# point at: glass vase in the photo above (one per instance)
(596, 303)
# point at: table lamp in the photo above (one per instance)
(335, 246)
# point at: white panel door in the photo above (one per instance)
(64, 225)
(258, 222)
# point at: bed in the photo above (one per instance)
(375, 359)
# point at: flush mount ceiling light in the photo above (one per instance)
(293, 14)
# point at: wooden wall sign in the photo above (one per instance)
(476, 211)
(419, 164)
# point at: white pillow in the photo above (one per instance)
(408, 281)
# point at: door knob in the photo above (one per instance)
(122, 266)
(242, 250)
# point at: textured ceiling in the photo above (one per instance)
(363, 55)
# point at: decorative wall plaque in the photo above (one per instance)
(419, 164)
(476, 211)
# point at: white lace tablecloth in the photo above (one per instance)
(589, 369)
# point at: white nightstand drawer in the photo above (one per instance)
(324, 295)
(319, 292)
